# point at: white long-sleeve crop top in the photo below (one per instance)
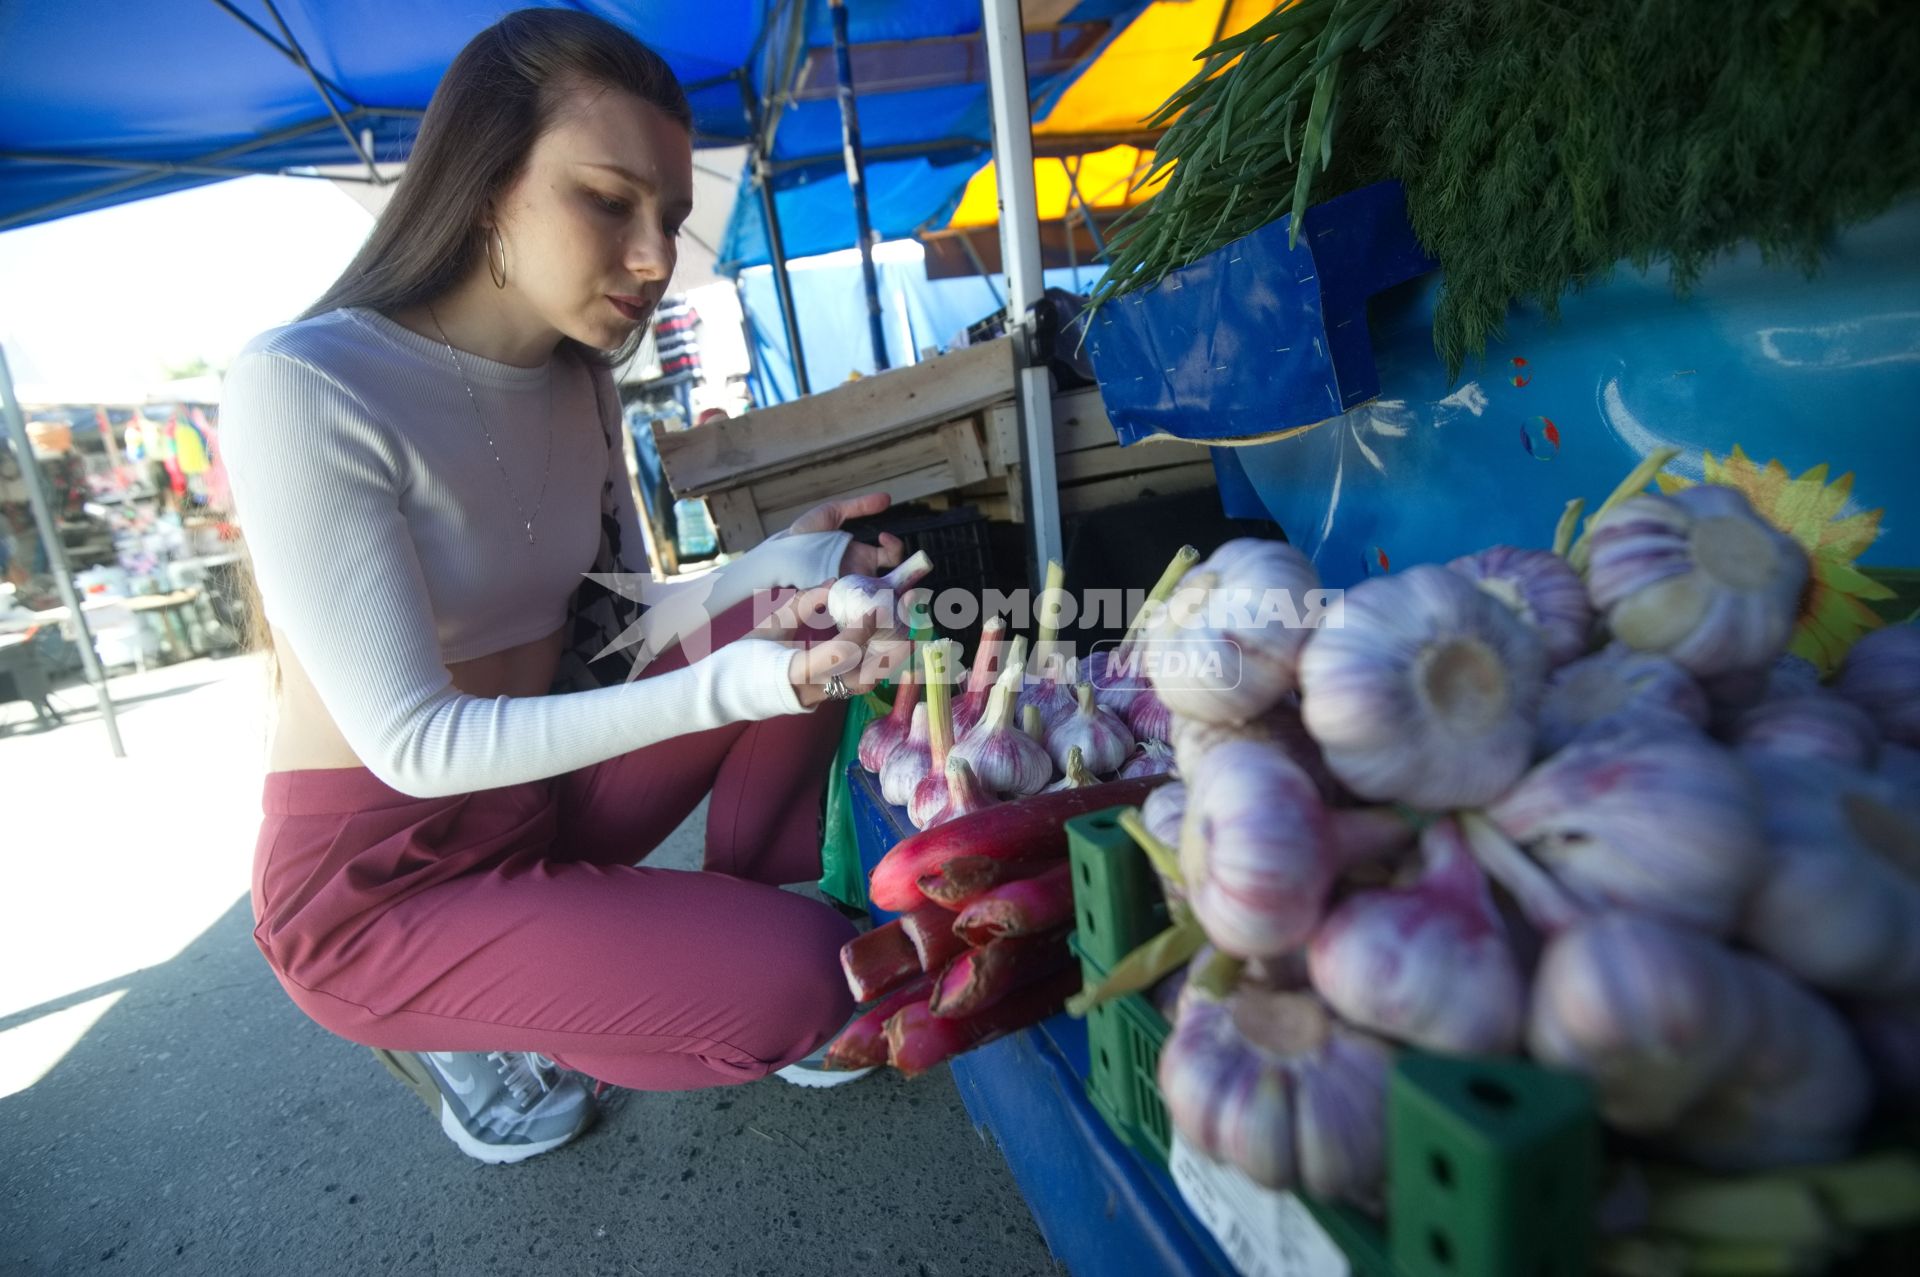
(388, 544)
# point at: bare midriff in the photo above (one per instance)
(305, 737)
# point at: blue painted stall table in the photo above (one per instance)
(1099, 1207)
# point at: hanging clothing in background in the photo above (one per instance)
(189, 446)
(176, 478)
(219, 490)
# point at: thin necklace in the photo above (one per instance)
(547, 468)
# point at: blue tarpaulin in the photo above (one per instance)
(103, 101)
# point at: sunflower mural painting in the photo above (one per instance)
(1834, 608)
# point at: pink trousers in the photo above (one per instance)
(516, 919)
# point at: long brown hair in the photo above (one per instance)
(499, 95)
(496, 99)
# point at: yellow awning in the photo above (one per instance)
(1143, 66)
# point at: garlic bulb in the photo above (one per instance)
(1152, 758)
(987, 659)
(1149, 718)
(1882, 676)
(1102, 740)
(1615, 681)
(1008, 761)
(959, 794)
(1280, 726)
(879, 603)
(1816, 724)
(1075, 774)
(928, 795)
(1255, 850)
(1655, 1016)
(1114, 682)
(1797, 1094)
(1429, 965)
(1540, 588)
(1839, 906)
(884, 735)
(1698, 576)
(1426, 695)
(1272, 1084)
(1244, 614)
(908, 763)
(1164, 810)
(1657, 820)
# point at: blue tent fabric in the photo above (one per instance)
(187, 82)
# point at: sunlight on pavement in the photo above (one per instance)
(29, 1051)
(117, 864)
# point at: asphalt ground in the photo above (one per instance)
(165, 1108)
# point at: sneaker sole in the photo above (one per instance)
(819, 1079)
(498, 1154)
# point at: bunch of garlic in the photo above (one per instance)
(1269, 1082)
(1697, 576)
(1426, 694)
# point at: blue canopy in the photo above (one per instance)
(102, 101)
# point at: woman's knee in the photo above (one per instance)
(802, 999)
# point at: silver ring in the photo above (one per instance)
(837, 689)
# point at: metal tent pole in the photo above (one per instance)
(776, 243)
(56, 552)
(1020, 254)
(857, 179)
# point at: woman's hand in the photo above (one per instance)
(856, 655)
(860, 559)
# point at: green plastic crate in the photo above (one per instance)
(1491, 1168)
(1117, 902)
(1492, 1163)
(1124, 1038)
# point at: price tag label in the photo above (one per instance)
(1264, 1233)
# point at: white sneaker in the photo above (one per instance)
(812, 1070)
(497, 1106)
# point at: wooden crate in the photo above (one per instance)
(948, 428)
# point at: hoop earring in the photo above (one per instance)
(499, 273)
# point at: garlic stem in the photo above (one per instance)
(1218, 975)
(1049, 620)
(1547, 905)
(1032, 724)
(1183, 559)
(993, 637)
(1563, 532)
(1635, 483)
(1166, 861)
(939, 705)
